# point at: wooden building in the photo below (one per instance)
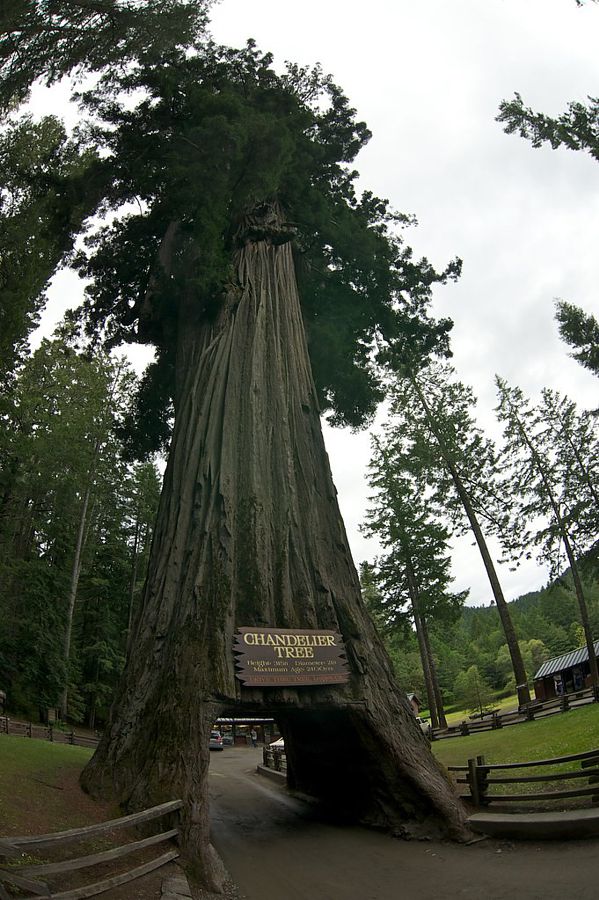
(564, 674)
(415, 703)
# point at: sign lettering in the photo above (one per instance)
(276, 657)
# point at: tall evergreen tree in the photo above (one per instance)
(242, 178)
(414, 573)
(434, 424)
(535, 479)
(63, 479)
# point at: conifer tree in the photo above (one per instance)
(541, 490)
(413, 576)
(269, 288)
(434, 425)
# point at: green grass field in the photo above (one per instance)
(562, 734)
(558, 735)
(40, 787)
(504, 705)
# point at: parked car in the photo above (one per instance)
(227, 739)
(216, 740)
(425, 726)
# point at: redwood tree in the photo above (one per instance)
(270, 290)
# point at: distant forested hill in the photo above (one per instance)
(546, 622)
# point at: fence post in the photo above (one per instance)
(29, 730)
(482, 772)
(530, 714)
(565, 704)
(496, 723)
(72, 737)
(464, 730)
(50, 733)
(473, 782)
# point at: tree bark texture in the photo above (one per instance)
(249, 533)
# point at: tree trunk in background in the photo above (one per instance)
(434, 676)
(249, 533)
(72, 598)
(498, 595)
(424, 646)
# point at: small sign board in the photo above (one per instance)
(274, 657)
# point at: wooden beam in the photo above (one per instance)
(90, 890)
(75, 834)
(40, 888)
(557, 776)
(82, 862)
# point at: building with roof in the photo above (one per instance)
(564, 674)
(415, 703)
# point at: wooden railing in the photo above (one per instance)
(45, 732)
(274, 759)
(480, 776)
(531, 711)
(27, 877)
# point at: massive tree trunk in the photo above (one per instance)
(249, 533)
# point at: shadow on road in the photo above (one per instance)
(275, 845)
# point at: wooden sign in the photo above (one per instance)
(271, 657)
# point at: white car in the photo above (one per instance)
(425, 726)
(216, 740)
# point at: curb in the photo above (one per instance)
(279, 777)
(541, 826)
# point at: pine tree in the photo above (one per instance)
(535, 480)
(434, 424)
(414, 573)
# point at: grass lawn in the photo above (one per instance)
(41, 794)
(40, 788)
(504, 705)
(559, 735)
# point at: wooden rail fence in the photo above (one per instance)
(493, 720)
(46, 732)
(480, 776)
(274, 759)
(27, 877)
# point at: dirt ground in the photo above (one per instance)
(274, 844)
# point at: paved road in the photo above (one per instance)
(273, 846)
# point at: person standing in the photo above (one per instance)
(254, 737)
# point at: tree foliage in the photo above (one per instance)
(58, 442)
(435, 432)
(213, 137)
(48, 40)
(580, 331)
(576, 129)
(545, 496)
(48, 189)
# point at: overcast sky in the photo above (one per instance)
(427, 76)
